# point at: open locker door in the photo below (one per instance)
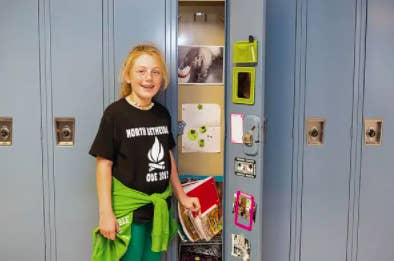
(245, 88)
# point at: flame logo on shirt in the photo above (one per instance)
(156, 155)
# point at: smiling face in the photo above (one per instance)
(145, 78)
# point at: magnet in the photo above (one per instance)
(203, 129)
(192, 134)
(254, 210)
(245, 52)
(201, 143)
(245, 167)
(244, 210)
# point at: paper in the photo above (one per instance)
(240, 247)
(202, 130)
(237, 126)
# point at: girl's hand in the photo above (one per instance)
(108, 225)
(191, 203)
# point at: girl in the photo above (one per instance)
(135, 164)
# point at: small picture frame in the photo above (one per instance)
(244, 210)
(244, 85)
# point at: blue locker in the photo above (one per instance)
(327, 86)
(76, 91)
(330, 60)
(376, 207)
(310, 60)
(21, 171)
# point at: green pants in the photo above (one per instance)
(140, 246)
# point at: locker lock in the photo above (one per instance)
(65, 131)
(5, 131)
(247, 138)
(373, 131)
(251, 136)
(315, 131)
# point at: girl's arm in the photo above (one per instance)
(107, 222)
(191, 203)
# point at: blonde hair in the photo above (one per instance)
(136, 52)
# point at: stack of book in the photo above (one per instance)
(209, 222)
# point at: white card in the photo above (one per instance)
(237, 127)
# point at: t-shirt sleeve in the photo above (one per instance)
(104, 143)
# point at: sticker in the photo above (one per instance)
(245, 167)
(244, 210)
(240, 247)
(192, 134)
(237, 127)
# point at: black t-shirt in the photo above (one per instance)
(138, 143)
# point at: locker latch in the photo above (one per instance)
(247, 138)
(373, 131)
(65, 131)
(251, 136)
(315, 131)
(5, 131)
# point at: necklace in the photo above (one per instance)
(135, 104)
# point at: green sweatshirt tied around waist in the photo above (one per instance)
(124, 201)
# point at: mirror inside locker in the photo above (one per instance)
(244, 85)
(200, 144)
